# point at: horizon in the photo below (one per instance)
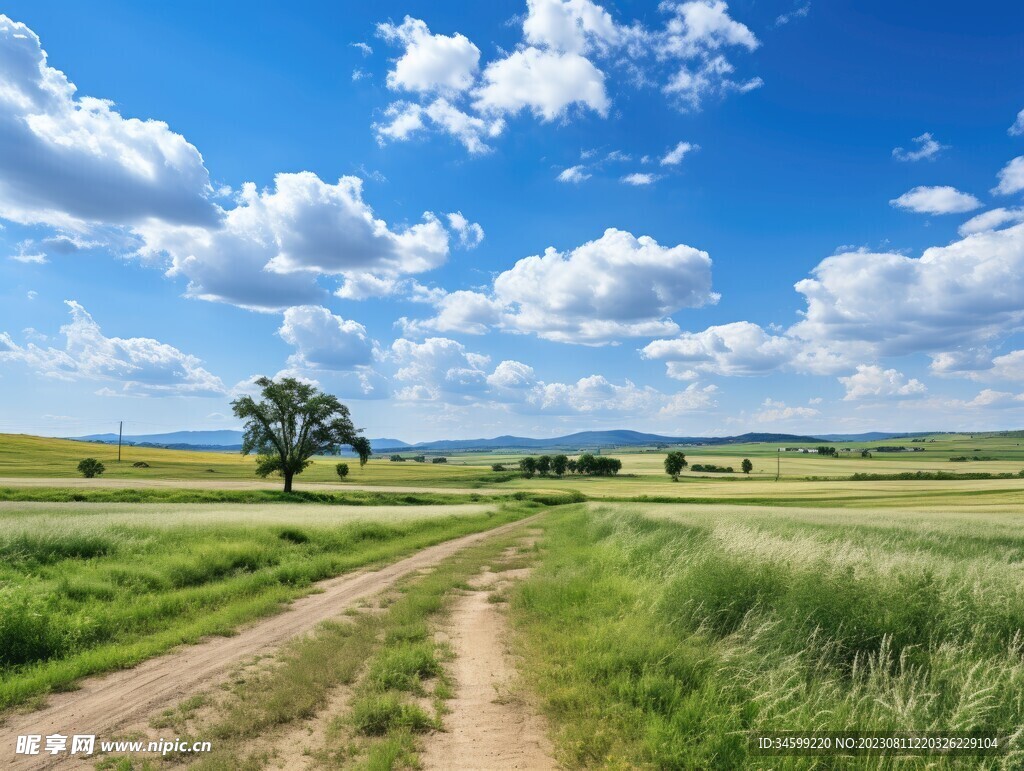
(715, 219)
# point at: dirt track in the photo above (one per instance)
(105, 704)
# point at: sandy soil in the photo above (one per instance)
(104, 705)
(490, 726)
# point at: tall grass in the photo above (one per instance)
(665, 641)
(99, 593)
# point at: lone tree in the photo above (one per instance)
(90, 467)
(342, 469)
(291, 423)
(361, 445)
(675, 462)
(747, 466)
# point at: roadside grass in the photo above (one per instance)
(92, 595)
(663, 641)
(389, 660)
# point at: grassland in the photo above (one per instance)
(96, 587)
(660, 636)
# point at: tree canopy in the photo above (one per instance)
(292, 422)
(675, 462)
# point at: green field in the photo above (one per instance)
(86, 588)
(661, 636)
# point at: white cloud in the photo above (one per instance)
(695, 35)
(991, 220)
(774, 411)
(941, 199)
(470, 234)
(364, 48)
(275, 242)
(1017, 129)
(571, 26)
(26, 255)
(363, 286)
(1011, 177)
(739, 349)
(928, 149)
(70, 161)
(693, 398)
(141, 365)
(990, 399)
(616, 286)
(407, 119)
(430, 63)
(325, 341)
(574, 174)
(640, 179)
(872, 382)
(796, 13)
(675, 156)
(546, 83)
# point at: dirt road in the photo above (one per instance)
(105, 704)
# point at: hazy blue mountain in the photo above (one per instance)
(209, 440)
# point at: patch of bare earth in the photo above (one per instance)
(491, 724)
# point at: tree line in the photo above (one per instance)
(560, 465)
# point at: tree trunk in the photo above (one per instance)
(288, 481)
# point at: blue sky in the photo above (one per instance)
(522, 217)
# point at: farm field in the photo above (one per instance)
(662, 636)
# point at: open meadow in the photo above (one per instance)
(657, 623)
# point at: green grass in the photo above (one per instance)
(103, 589)
(389, 660)
(659, 636)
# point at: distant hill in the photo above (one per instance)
(873, 436)
(594, 439)
(222, 440)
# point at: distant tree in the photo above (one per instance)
(747, 466)
(829, 451)
(585, 464)
(342, 469)
(438, 460)
(396, 459)
(572, 466)
(675, 462)
(419, 458)
(497, 467)
(544, 465)
(291, 423)
(361, 445)
(865, 453)
(90, 467)
(528, 466)
(559, 463)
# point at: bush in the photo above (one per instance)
(90, 467)
(342, 469)
(439, 460)
(497, 467)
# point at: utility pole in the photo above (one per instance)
(120, 429)
(778, 464)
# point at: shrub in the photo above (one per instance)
(90, 467)
(497, 467)
(342, 469)
(439, 460)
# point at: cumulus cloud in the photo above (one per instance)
(991, 220)
(470, 234)
(443, 370)
(70, 161)
(695, 35)
(545, 83)
(675, 156)
(430, 63)
(574, 174)
(927, 149)
(941, 199)
(1011, 177)
(276, 241)
(572, 26)
(325, 341)
(873, 382)
(1017, 129)
(775, 411)
(616, 286)
(141, 365)
(640, 179)
(739, 349)
(406, 119)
